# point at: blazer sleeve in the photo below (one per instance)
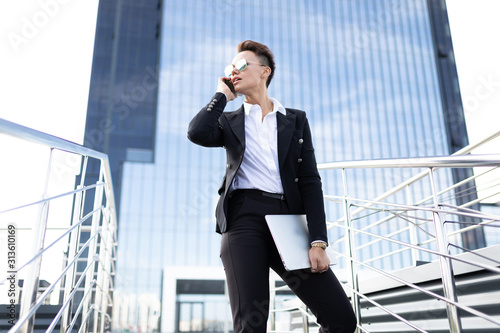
(204, 129)
(311, 189)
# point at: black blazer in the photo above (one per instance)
(212, 127)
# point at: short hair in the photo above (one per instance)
(264, 54)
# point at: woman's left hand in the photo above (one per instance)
(319, 260)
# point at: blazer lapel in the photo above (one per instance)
(236, 121)
(286, 126)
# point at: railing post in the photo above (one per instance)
(103, 271)
(107, 266)
(74, 241)
(350, 250)
(415, 255)
(447, 275)
(227, 317)
(272, 302)
(305, 320)
(30, 285)
(96, 219)
(106, 238)
(73, 245)
(100, 272)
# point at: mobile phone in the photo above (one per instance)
(230, 85)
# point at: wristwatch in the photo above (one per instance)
(319, 244)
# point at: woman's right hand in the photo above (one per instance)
(224, 88)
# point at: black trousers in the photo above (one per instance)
(247, 253)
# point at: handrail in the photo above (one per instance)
(392, 313)
(80, 307)
(22, 319)
(421, 162)
(454, 161)
(100, 244)
(421, 219)
(470, 147)
(491, 160)
(29, 134)
(64, 306)
(83, 189)
(428, 292)
(448, 256)
(55, 242)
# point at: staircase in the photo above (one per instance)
(476, 288)
(44, 317)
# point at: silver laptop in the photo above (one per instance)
(291, 236)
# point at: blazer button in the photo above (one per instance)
(296, 180)
(299, 160)
(214, 100)
(301, 141)
(209, 109)
(228, 166)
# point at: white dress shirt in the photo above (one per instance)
(259, 168)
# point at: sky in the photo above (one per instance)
(46, 49)
(46, 55)
(474, 25)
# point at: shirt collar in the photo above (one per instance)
(277, 107)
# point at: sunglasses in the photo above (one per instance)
(240, 65)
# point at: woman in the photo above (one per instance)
(271, 169)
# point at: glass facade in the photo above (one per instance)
(364, 71)
(121, 113)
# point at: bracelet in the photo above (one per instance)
(319, 244)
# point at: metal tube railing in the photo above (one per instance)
(31, 135)
(102, 236)
(413, 212)
(434, 252)
(93, 248)
(350, 249)
(24, 318)
(452, 304)
(65, 305)
(81, 306)
(453, 161)
(392, 313)
(86, 318)
(56, 241)
(447, 275)
(425, 291)
(72, 251)
(48, 199)
(31, 282)
(402, 163)
(28, 134)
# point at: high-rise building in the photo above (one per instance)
(366, 73)
(121, 116)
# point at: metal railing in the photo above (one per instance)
(84, 287)
(420, 218)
